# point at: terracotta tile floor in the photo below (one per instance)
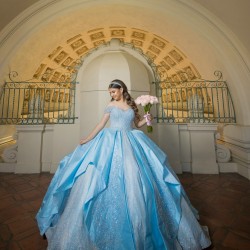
(223, 202)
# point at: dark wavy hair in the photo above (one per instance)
(117, 84)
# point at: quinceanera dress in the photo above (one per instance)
(117, 192)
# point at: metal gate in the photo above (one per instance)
(198, 101)
(37, 103)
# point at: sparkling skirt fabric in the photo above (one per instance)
(117, 192)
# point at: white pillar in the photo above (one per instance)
(202, 141)
(66, 138)
(29, 148)
(168, 139)
(47, 148)
(185, 148)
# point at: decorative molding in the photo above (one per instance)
(10, 154)
(202, 127)
(21, 19)
(240, 155)
(223, 154)
(236, 141)
(6, 139)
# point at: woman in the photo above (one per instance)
(117, 191)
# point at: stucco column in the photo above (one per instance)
(168, 139)
(47, 147)
(202, 141)
(29, 148)
(66, 138)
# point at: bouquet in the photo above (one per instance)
(147, 102)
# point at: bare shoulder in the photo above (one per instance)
(108, 108)
(111, 104)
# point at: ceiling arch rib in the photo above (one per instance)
(172, 63)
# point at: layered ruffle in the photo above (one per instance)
(119, 184)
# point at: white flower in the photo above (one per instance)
(146, 99)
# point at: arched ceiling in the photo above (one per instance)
(232, 12)
(54, 33)
(50, 39)
(172, 63)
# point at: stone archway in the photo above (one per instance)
(186, 25)
(103, 66)
(204, 40)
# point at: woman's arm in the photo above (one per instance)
(140, 123)
(97, 129)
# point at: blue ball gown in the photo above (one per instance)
(117, 192)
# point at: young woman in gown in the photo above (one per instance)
(116, 191)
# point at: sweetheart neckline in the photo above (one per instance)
(121, 108)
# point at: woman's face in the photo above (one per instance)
(116, 94)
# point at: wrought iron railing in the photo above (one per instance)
(197, 101)
(37, 103)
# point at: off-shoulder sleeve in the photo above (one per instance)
(108, 109)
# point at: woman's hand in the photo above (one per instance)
(96, 130)
(140, 123)
(150, 117)
(83, 141)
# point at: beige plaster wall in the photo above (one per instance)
(234, 14)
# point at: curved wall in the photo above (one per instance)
(93, 95)
(205, 41)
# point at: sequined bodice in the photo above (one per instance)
(119, 118)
